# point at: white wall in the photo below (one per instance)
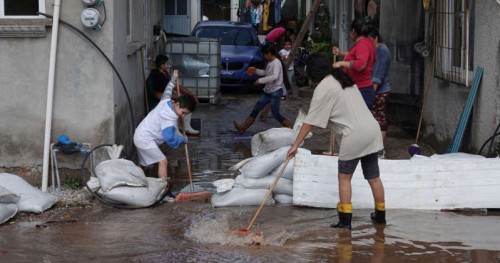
(89, 102)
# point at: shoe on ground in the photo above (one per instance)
(378, 217)
(340, 225)
(192, 132)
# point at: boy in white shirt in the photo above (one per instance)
(160, 126)
(284, 53)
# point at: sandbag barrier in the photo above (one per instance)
(102, 199)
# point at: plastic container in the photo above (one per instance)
(198, 62)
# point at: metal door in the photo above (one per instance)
(176, 17)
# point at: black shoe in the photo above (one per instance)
(170, 194)
(378, 217)
(344, 221)
(340, 225)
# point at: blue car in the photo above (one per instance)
(240, 49)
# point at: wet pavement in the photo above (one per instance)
(197, 232)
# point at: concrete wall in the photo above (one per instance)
(90, 104)
(446, 100)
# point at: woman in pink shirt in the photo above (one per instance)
(359, 60)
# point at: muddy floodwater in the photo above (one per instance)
(196, 232)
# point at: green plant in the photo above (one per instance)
(73, 183)
(321, 47)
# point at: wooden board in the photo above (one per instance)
(422, 183)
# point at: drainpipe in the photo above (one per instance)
(50, 94)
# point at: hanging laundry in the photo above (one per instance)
(271, 19)
(265, 17)
(277, 11)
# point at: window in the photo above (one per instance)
(453, 39)
(228, 35)
(19, 18)
(176, 7)
(20, 9)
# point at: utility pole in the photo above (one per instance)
(302, 33)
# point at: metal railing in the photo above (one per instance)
(452, 41)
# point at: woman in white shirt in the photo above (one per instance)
(338, 104)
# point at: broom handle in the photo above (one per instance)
(185, 145)
(426, 95)
(268, 195)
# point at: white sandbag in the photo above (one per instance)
(119, 172)
(272, 139)
(237, 166)
(458, 155)
(114, 151)
(241, 197)
(8, 197)
(265, 164)
(93, 184)
(32, 199)
(223, 185)
(283, 199)
(284, 186)
(301, 116)
(261, 165)
(287, 173)
(7, 211)
(137, 196)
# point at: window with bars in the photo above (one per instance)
(453, 40)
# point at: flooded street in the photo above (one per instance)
(196, 232)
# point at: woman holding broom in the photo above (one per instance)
(337, 101)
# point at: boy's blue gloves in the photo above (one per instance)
(171, 138)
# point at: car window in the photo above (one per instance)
(243, 38)
(228, 35)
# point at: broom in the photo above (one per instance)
(246, 230)
(414, 148)
(190, 192)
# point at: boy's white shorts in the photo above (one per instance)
(150, 156)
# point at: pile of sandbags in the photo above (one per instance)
(17, 195)
(121, 182)
(257, 174)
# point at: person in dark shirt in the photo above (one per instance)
(157, 81)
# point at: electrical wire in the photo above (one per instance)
(107, 59)
(490, 140)
(105, 15)
(82, 177)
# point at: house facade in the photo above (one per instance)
(92, 103)
(99, 79)
(436, 49)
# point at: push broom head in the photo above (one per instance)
(193, 192)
